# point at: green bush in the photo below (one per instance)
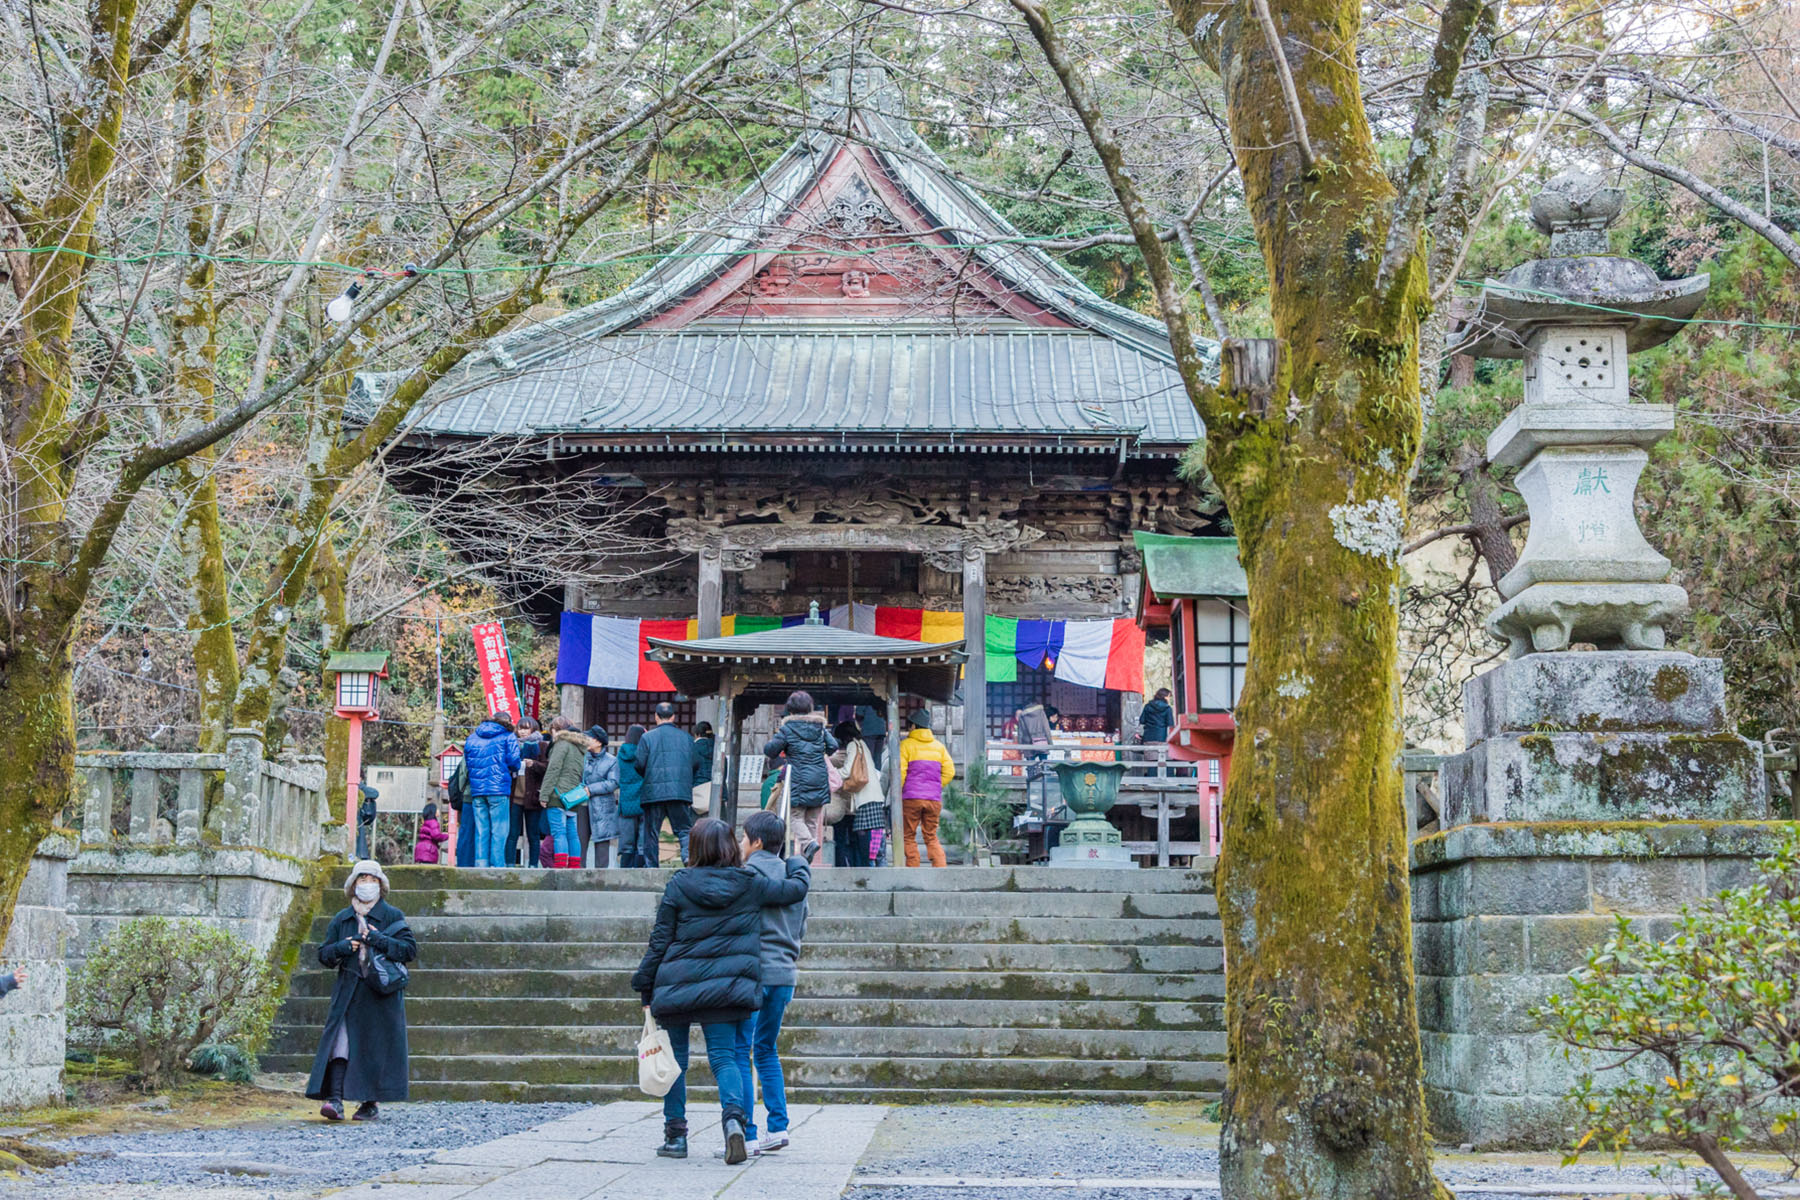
(977, 812)
(1705, 1026)
(156, 990)
(224, 1062)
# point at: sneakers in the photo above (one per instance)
(674, 1146)
(752, 1148)
(736, 1151)
(332, 1110)
(368, 1110)
(770, 1142)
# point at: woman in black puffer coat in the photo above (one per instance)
(805, 742)
(704, 967)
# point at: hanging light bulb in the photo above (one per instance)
(279, 614)
(340, 308)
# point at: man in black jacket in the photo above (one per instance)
(666, 760)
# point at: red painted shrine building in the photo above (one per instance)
(860, 386)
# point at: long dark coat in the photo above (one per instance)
(377, 1023)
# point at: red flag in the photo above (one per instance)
(530, 687)
(899, 622)
(496, 669)
(651, 677)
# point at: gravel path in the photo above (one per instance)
(298, 1157)
(1006, 1148)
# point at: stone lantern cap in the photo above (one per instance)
(1580, 283)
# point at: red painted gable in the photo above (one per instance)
(856, 248)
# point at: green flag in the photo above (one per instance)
(1002, 649)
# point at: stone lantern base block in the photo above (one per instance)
(1603, 691)
(1548, 617)
(1602, 736)
(1554, 776)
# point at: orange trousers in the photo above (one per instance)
(921, 815)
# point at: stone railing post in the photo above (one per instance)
(234, 818)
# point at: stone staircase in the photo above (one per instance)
(916, 985)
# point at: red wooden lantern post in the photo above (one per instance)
(449, 758)
(359, 675)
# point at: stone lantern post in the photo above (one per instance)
(1586, 574)
(1594, 782)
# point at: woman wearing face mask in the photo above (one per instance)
(362, 1052)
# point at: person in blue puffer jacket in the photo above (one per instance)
(492, 758)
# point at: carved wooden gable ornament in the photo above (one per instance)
(856, 247)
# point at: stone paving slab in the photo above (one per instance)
(609, 1153)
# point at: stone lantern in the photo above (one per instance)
(1586, 574)
(1596, 783)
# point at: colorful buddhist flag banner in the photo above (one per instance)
(609, 651)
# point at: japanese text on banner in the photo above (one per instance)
(496, 669)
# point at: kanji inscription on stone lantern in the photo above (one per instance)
(1586, 573)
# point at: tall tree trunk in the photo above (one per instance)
(330, 578)
(1311, 437)
(1325, 1098)
(194, 330)
(37, 707)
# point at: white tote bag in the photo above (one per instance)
(657, 1068)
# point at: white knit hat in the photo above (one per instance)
(367, 866)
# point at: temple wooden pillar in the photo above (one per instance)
(719, 710)
(571, 700)
(896, 817)
(974, 686)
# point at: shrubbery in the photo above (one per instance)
(157, 990)
(1706, 1026)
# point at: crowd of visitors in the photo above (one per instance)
(562, 797)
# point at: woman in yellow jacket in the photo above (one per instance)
(925, 768)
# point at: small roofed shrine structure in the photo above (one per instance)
(1195, 590)
(858, 383)
(837, 667)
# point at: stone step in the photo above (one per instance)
(1139, 931)
(307, 1012)
(605, 1093)
(873, 879)
(823, 904)
(874, 956)
(444, 1040)
(953, 1074)
(970, 985)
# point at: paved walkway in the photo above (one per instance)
(609, 1153)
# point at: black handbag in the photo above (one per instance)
(383, 975)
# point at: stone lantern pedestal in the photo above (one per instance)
(1593, 783)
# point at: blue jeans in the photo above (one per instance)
(629, 827)
(565, 831)
(490, 828)
(766, 1027)
(465, 836)
(722, 1041)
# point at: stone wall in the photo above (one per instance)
(1503, 913)
(33, 1029)
(249, 892)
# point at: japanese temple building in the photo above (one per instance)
(859, 386)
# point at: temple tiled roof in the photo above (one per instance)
(1050, 361)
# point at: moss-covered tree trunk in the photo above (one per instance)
(1325, 1098)
(194, 334)
(1311, 437)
